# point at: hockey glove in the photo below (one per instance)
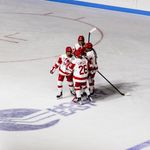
(52, 70)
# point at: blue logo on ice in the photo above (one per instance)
(26, 119)
(140, 146)
(34, 119)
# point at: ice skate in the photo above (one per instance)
(59, 95)
(80, 101)
(72, 92)
(83, 94)
(92, 92)
(89, 98)
(77, 100)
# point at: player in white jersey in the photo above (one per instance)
(81, 43)
(92, 57)
(62, 63)
(80, 68)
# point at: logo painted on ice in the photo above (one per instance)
(25, 119)
(141, 146)
(33, 119)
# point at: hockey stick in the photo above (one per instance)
(89, 35)
(123, 94)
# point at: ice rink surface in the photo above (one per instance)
(33, 33)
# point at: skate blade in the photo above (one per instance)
(77, 102)
(91, 100)
(59, 98)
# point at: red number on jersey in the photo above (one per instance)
(83, 69)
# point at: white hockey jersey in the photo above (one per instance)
(76, 47)
(91, 56)
(80, 69)
(62, 62)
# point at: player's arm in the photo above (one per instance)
(90, 67)
(70, 67)
(56, 65)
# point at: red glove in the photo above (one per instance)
(52, 70)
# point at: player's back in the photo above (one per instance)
(80, 72)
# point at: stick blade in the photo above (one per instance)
(92, 30)
(127, 94)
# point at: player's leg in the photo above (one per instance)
(86, 89)
(91, 83)
(70, 84)
(60, 86)
(77, 87)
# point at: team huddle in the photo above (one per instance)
(79, 66)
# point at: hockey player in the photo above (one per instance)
(92, 57)
(62, 63)
(81, 43)
(80, 68)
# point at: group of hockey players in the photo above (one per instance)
(79, 66)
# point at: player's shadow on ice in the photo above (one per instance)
(105, 92)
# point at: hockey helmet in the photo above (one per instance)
(79, 52)
(83, 49)
(68, 49)
(89, 45)
(81, 38)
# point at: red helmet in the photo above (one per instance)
(68, 49)
(83, 49)
(78, 52)
(81, 38)
(89, 45)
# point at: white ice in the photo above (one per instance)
(33, 33)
